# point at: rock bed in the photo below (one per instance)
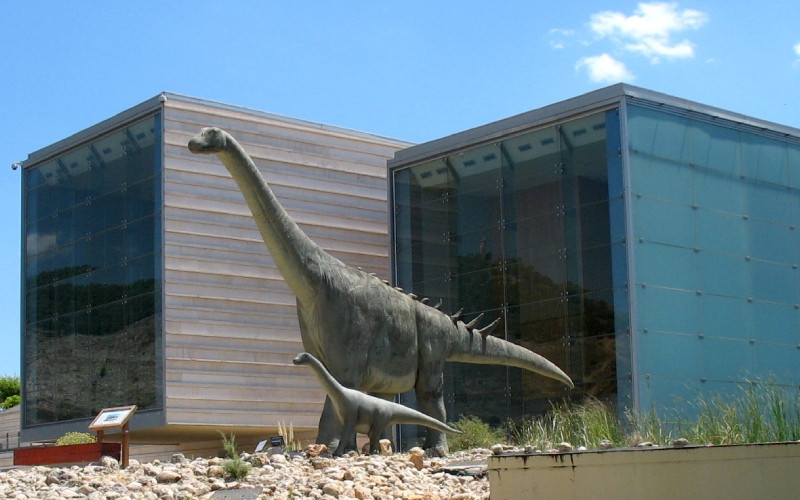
(277, 476)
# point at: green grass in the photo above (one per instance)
(585, 424)
(476, 434)
(759, 412)
(762, 412)
(234, 466)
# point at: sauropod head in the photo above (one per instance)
(208, 141)
(302, 358)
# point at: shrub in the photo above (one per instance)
(476, 434)
(234, 465)
(75, 438)
(9, 386)
(10, 401)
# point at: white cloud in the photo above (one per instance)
(559, 38)
(604, 69)
(38, 243)
(650, 29)
(797, 53)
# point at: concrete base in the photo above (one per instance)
(703, 472)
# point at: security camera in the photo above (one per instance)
(15, 165)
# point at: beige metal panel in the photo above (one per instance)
(309, 138)
(361, 190)
(174, 144)
(288, 405)
(230, 321)
(258, 354)
(308, 210)
(188, 316)
(269, 307)
(189, 328)
(368, 180)
(302, 416)
(222, 289)
(314, 223)
(209, 373)
(261, 395)
(194, 246)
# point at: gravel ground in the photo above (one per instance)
(403, 475)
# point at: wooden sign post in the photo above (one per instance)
(115, 418)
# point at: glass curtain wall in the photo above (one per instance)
(520, 229)
(715, 209)
(92, 264)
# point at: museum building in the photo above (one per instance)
(146, 281)
(645, 244)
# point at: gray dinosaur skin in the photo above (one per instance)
(360, 412)
(370, 336)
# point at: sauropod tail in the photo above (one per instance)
(471, 347)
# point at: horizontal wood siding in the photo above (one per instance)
(230, 320)
(9, 428)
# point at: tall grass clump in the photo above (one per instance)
(762, 412)
(290, 443)
(476, 434)
(585, 424)
(234, 465)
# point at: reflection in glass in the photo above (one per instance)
(715, 217)
(519, 229)
(91, 253)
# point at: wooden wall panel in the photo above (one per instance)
(9, 428)
(230, 321)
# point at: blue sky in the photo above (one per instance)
(411, 70)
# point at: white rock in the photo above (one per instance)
(416, 456)
(168, 476)
(277, 459)
(333, 488)
(109, 462)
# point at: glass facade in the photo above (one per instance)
(522, 229)
(651, 251)
(92, 277)
(714, 207)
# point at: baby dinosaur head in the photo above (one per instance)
(302, 359)
(210, 140)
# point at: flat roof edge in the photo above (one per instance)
(486, 133)
(140, 110)
(720, 113)
(594, 100)
(286, 119)
(155, 103)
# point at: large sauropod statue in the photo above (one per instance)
(368, 335)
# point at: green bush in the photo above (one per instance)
(9, 386)
(234, 465)
(476, 434)
(75, 438)
(10, 402)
